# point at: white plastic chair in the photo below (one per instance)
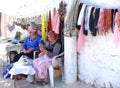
(51, 69)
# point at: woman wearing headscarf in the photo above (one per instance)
(30, 44)
(42, 63)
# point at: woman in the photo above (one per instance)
(30, 44)
(42, 63)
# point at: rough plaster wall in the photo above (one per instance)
(99, 61)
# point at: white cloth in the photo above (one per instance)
(87, 18)
(24, 34)
(18, 68)
(80, 18)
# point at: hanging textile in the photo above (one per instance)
(105, 19)
(108, 16)
(81, 37)
(87, 17)
(79, 9)
(49, 27)
(71, 15)
(43, 27)
(113, 18)
(81, 14)
(56, 22)
(62, 11)
(94, 15)
(97, 12)
(101, 21)
(86, 20)
(117, 29)
(54, 11)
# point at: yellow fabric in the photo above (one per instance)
(43, 27)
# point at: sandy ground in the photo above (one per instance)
(9, 83)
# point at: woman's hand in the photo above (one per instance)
(30, 50)
(43, 49)
(24, 51)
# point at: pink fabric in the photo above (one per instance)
(81, 39)
(56, 23)
(101, 21)
(41, 65)
(117, 29)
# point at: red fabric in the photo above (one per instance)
(49, 27)
(104, 22)
(37, 53)
(107, 20)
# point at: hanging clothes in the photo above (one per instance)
(56, 22)
(113, 19)
(86, 20)
(87, 17)
(43, 27)
(107, 17)
(104, 23)
(81, 37)
(49, 26)
(117, 29)
(94, 15)
(81, 14)
(71, 15)
(101, 20)
(79, 9)
(62, 11)
(97, 12)
(54, 11)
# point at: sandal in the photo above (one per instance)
(43, 83)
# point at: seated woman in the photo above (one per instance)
(42, 63)
(30, 44)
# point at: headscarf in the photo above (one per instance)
(33, 28)
(52, 34)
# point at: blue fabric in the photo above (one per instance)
(32, 43)
(42, 42)
(6, 69)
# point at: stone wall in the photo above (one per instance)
(99, 61)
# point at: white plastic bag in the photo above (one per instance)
(25, 60)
